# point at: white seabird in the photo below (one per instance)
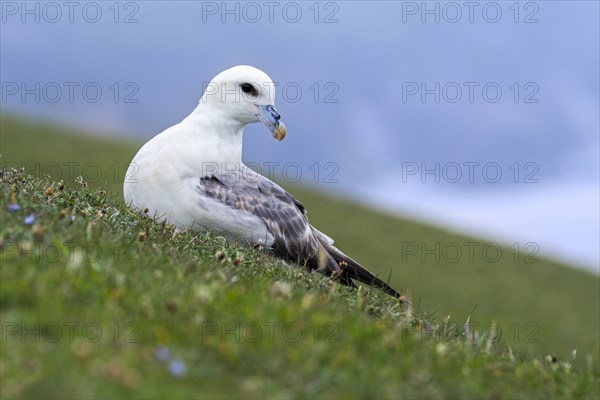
(191, 175)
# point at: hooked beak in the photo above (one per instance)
(269, 116)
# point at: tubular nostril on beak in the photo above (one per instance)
(269, 116)
(273, 112)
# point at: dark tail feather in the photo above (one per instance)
(350, 269)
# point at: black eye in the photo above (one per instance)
(249, 88)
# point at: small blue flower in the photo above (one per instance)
(177, 368)
(30, 219)
(13, 207)
(162, 353)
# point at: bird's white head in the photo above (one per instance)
(245, 94)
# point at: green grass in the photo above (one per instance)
(88, 260)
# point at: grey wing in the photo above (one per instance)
(285, 219)
(284, 216)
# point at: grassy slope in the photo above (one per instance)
(163, 276)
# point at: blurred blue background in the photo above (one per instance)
(374, 95)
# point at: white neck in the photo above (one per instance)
(212, 136)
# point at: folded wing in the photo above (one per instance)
(293, 238)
